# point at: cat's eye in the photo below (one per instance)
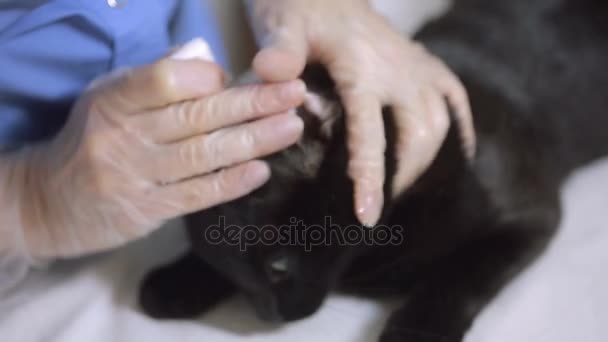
(278, 269)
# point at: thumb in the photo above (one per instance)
(284, 57)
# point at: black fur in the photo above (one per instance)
(535, 73)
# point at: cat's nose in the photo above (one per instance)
(278, 268)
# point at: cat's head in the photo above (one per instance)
(284, 245)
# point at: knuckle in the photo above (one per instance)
(274, 96)
(406, 121)
(366, 168)
(440, 122)
(258, 99)
(423, 135)
(370, 179)
(214, 146)
(192, 154)
(104, 98)
(364, 151)
(417, 136)
(185, 114)
(438, 114)
(194, 196)
(248, 140)
(211, 110)
(267, 98)
(222, 185)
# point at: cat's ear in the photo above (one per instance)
(321, 105)
(326, 111)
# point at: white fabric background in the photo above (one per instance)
(562, 298)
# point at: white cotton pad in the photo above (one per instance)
(194, 49)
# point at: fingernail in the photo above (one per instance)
(369, 207)
(293, 90)
(257, 174)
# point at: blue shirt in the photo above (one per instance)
(50, 50)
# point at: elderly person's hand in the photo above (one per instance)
(142, 147)
(373, 66)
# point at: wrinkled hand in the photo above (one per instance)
(373, 67)
(148, 145)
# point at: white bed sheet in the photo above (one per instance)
(562, 298)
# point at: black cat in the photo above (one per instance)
(536, 74)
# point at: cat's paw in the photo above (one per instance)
(160, 298)
(165, 305)
(183, 290)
